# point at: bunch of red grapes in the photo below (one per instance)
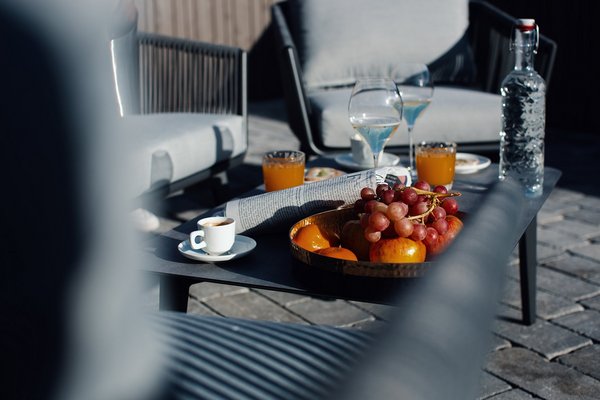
(416, 212)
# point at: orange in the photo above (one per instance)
(338, 252)
(311, 238)
(398, 250)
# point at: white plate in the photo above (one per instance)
(467, 163)
(242, 246)
(347, 161)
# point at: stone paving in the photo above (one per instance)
(558, 357)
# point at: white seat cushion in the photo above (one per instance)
(338, 40)
(459, 115)
(168, 147)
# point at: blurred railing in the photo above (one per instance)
(236, 23)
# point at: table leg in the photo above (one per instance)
(527, 271)
(173, 293)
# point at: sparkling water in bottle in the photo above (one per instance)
(523, 114)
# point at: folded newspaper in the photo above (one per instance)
(278, 210)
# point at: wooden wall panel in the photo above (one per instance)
(232, 22)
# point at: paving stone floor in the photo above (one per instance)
(558, 357)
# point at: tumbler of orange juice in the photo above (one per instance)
(283, 169)
(435, 162)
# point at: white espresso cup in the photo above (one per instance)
(215, 235)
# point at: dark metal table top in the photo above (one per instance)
(271, 266)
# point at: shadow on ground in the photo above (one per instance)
(205, 196)
(577, 155)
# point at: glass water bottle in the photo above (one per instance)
(523, 114)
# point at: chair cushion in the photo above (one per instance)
(172, 146)
(459, 115)
(338, 40)
(210, 357)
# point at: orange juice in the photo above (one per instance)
(435, 163)
(282, 170)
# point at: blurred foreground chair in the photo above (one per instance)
(184, 104)
(71, 326)
(433, 347)
(324, 45)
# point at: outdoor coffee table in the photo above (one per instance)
(270, 265)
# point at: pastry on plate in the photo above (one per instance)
(466, 162)
(321, 173)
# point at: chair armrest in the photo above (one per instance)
(180, 75)
(490, 31)
(298, 106)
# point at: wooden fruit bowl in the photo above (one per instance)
(332, 222)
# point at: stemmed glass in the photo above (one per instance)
(375, 112)
(416, 88)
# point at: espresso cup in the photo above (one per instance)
(215, 235)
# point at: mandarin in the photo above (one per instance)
(338, 252)
(311, 238)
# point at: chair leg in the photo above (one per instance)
(219, 186)
(528, 271)
(173, 293)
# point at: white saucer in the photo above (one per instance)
(347, 161)
(467, 163)
(242, 246)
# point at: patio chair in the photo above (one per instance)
(71, 326)
(184, 104)
(323, 46)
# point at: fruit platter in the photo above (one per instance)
(389, 232)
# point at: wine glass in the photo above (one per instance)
(416, 88)
(375, 112)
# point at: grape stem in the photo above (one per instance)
(436, 199)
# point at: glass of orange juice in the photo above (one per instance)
(435, 163)
(283, 169)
